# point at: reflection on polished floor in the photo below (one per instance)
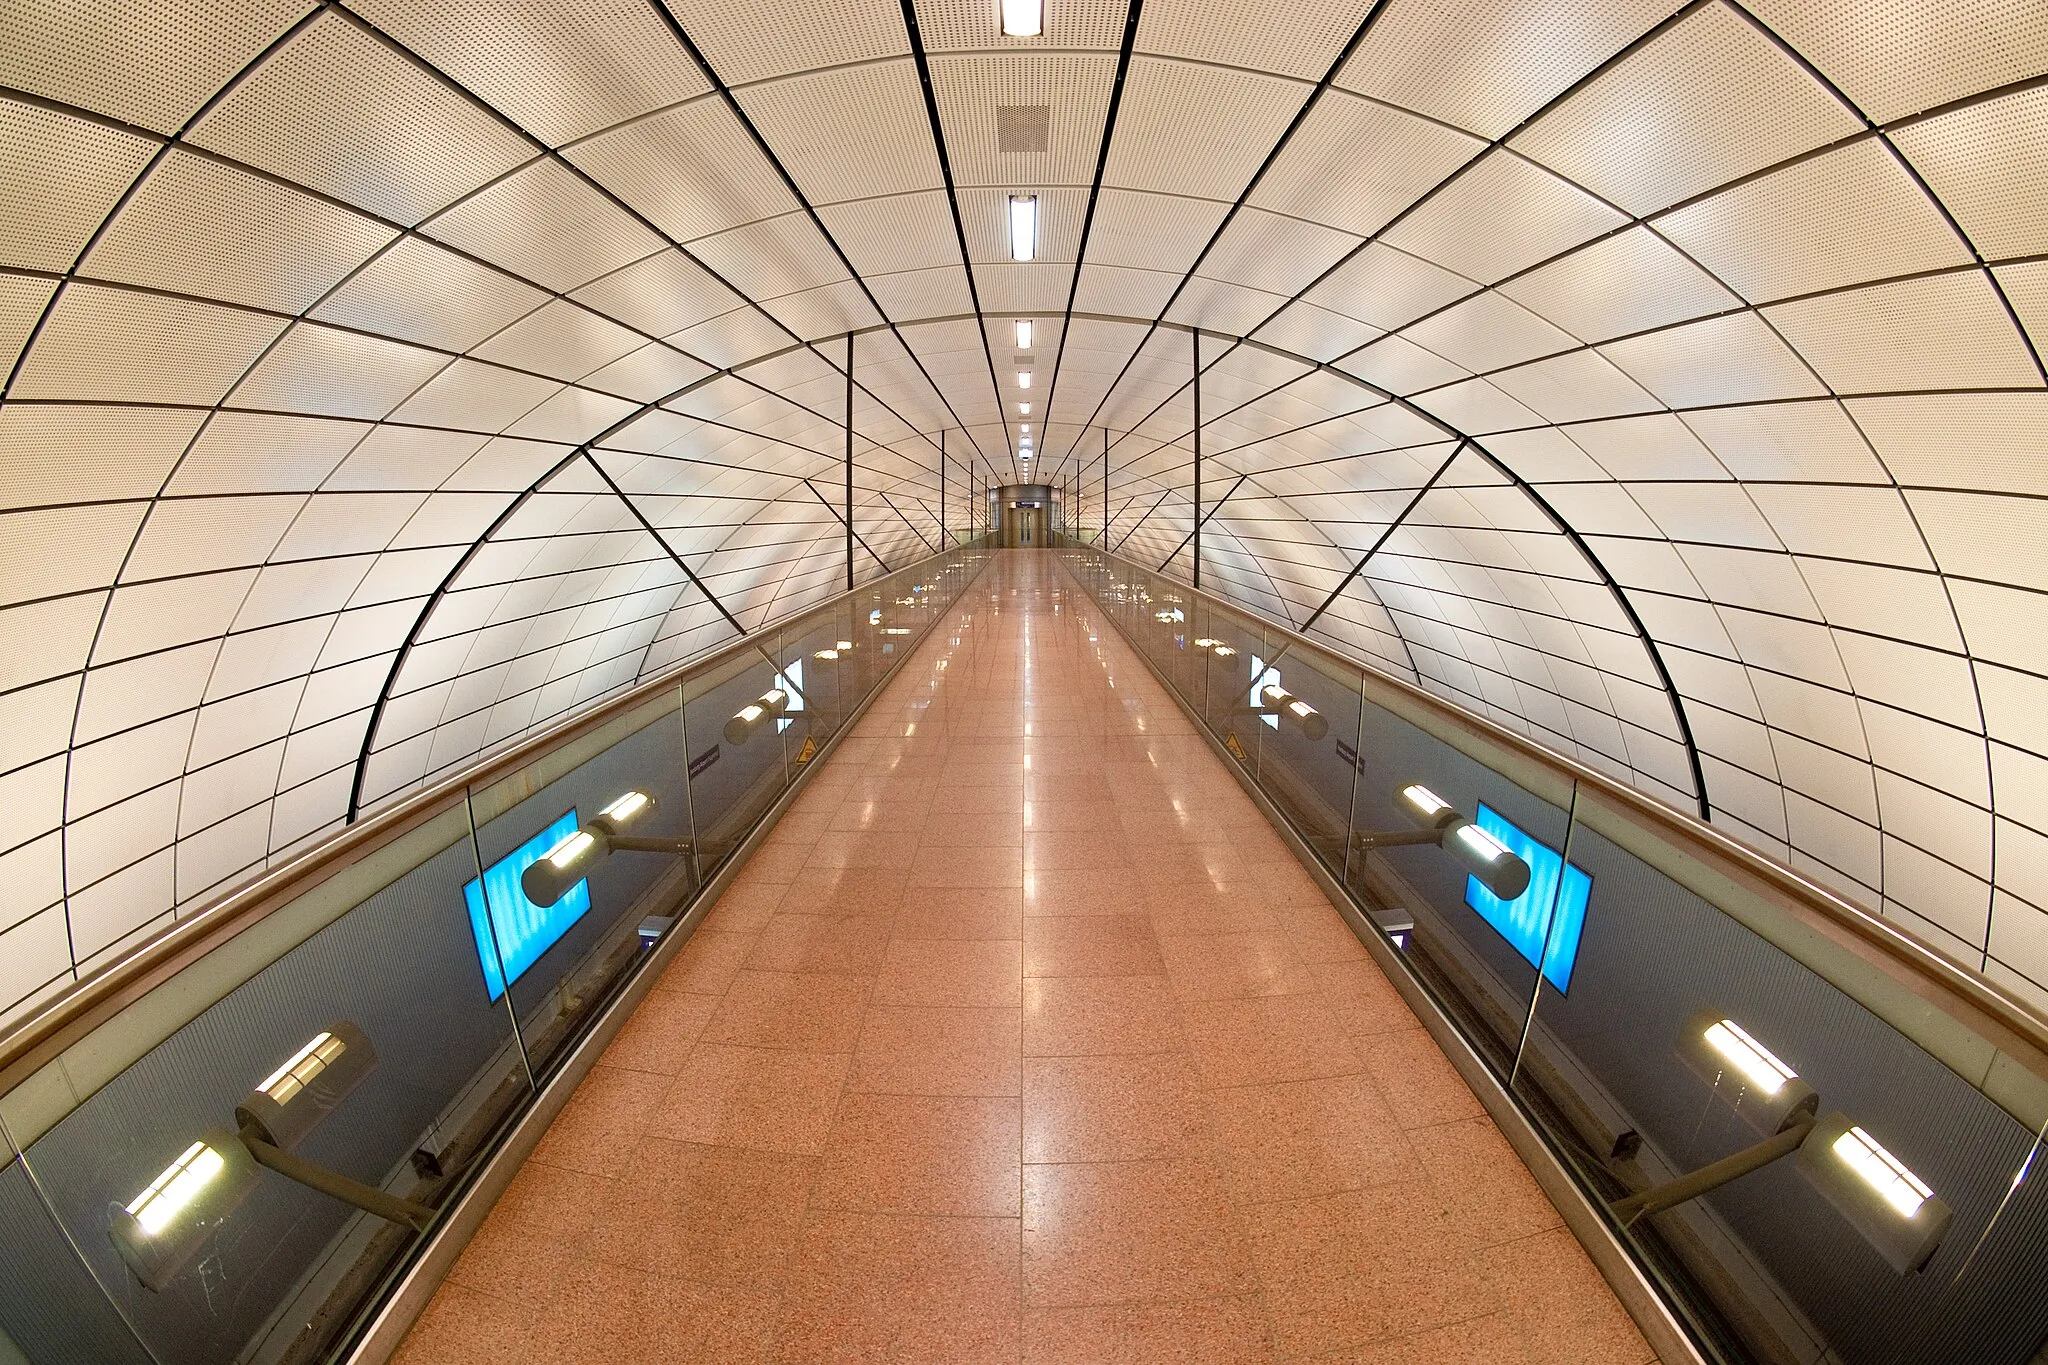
(1024, 1038)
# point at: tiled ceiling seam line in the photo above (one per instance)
(2026, 339)
(1550, 513)
(385, 693)
(657, 617)
(1664, 675)
(661, 616)
(14, 372)
(739, 114)
(840, 519)
(1206, 518)
(1641, 40)
(922, 65)
(1286, 501)
(1257, 560)
(1500, 142)
(403, 232)
(908, 522)
(1980, 266)
(1301, 114)
(1116, 99)
(1648, 222)
(554, 157)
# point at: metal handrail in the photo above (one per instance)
(31, 1041)
(2012, 1025)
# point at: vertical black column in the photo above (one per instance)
(1198, 457)
(849, 462)
(1105, 488)
(942, 489)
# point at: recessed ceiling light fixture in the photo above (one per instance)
(1023, 333)
(1023, 409)
(1023, 18)
(1023, 227)
(1023, 379)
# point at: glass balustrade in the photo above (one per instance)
(232, 1156)
(1817, 1145)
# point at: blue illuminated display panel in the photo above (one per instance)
(525, 930)
(1521, 921)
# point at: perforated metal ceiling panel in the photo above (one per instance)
(1671, 378)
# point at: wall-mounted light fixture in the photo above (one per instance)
(1485, 857)
(1893, 1209)
(1291, 711)
(569, 861)
(287, 1104)
(159, 1231)
(1743, 1073)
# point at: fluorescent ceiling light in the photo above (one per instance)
(1023, 409)
(1748, 1056)
(1882, 1171)
(1023, 332)
(1023, 227)
(1023, 18)
(1023, 379)
(1027, 428)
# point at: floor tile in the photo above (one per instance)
(1266, 1038)
(1093, 1015)
(870, 1288)
(925, 1155)
(1420, 1084)
(1091, 945)
(1118, 1107)
(768, 1099)
(812, 1012)
(974, 973)
(1130, 1231)
(1227, 1331)
(721, 1215)
(923, 1050)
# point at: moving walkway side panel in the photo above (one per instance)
(1914, 1233)
(402, 991)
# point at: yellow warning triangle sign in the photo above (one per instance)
(810, 748)
(1236, 749)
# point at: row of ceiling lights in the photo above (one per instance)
(1023, 19)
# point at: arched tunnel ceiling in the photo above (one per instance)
(373, 370)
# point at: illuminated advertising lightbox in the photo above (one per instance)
(1523, 920)
(524, 930)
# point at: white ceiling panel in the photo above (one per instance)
(1794, 410)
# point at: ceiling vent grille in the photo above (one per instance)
(1023, 127)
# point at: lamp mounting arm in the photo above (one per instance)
(1712, 1177)
(335, 1185)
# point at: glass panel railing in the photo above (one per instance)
(1819, 1142)
(228, 1147)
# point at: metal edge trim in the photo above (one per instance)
(404, 1305)
(1637, 1296)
